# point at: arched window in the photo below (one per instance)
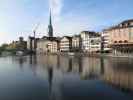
(120, 41)
(125, 41)
(115, 41)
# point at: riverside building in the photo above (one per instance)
(66, 44)
(91, 41)
(76, 43)
(121, 37)
(20, 45)
(105, 35)
(47, 45)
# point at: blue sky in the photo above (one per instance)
(20, 17)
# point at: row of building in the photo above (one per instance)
(85, 42)
(118, 39)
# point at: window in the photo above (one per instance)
(120, 41)
(125, 41)
(115, 42)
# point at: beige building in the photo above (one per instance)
(66, 44)
(20, 45)
(42, 46)
(121, 33)
(47, 45)
(120, 37)
(53, 46)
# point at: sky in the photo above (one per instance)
(20, 17)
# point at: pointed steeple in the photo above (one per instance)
(50, 19)
(50, 27)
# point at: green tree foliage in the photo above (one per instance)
(3, 47)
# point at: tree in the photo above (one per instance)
(3, 47)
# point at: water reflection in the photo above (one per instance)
(50, 78)
(118, 72)
(102, 65)
(112, 76)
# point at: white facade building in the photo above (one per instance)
(91, 41)
(76, 43)
(106, 40)
(95, 44)
(66, 44)
(85, 41)
(53, 46)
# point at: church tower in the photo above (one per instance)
(50, 27)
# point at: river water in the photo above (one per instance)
(66, 78)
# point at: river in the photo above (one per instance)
(66, 78)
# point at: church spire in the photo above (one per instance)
(50, 19)
(50, 27)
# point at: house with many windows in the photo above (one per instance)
(120, 37)
(76, 43)
(91, 41)
(66, 44)
(47, 45)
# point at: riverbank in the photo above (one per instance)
(77, 54)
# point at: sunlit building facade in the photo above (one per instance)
(47, 45)
(91, 41)
(66, 44)
(76, 43)
(121, 37)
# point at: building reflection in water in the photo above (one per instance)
(116, 72)
(58, 61)
(33, 59)
(30, 59)
(102, 65)
(108, 70)
(80, 64)
(20, 60)
(70, 65)
(33, 63)
(50, 78)
(119, 73)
